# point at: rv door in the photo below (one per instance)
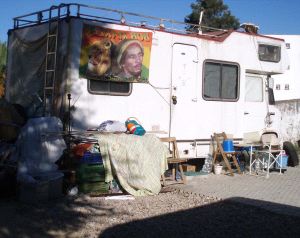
(184, 91)
(256, 105)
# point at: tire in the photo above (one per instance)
(292, 153)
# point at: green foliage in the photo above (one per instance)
(216, 15)
(3, 52)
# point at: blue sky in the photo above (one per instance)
(272, 16)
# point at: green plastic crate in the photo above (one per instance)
(90, 173)
(88, 187)
(91, 168)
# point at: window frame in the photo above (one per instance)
(110, 93)
(268, 60)
(261, 91)
(220, 62)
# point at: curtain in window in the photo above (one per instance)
(254, 89)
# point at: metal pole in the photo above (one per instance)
(69, 116)
(200, 21)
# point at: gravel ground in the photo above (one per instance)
(171, 213)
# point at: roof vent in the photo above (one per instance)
(250, 28)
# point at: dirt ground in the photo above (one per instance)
(172, 213)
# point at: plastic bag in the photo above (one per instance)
(112, 126)
(134, 127)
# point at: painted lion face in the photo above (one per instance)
(99, 57)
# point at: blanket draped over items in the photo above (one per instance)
(136, 161)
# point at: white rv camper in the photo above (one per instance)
(188, 85)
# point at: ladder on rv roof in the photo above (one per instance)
(50, 66)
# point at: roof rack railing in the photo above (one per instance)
(116, 16)
(53, 13)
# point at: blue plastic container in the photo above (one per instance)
(228, 146)
(91, 158)
(283, 163)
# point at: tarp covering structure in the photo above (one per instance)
(36, 149)
(136, 161)
(27, 53)
(26, 81)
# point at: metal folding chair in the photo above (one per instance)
(270, 155)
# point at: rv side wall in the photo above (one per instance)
(192, 116)
(175, 101)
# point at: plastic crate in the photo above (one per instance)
(88, 187)
(90, 173)
(91, 158)
(47, 186)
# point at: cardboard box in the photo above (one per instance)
(189, 168)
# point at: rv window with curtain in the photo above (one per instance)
(269, 53)
(221, 81)
(109, 88)
(254, 89)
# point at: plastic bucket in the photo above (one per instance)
(283, 162)
(218, 169)
(228, 146)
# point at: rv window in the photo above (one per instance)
(254, 89)
(109, 88)
(220, 81)
(269, 53)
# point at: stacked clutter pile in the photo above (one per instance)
(12, 119)
(207, 167)
(36, 152)
(90, 174)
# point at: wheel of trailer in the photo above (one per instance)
(292, 153)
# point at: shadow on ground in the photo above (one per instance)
(236, 217)
(46, 219)
(228, 218)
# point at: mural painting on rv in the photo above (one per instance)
(115, 55)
